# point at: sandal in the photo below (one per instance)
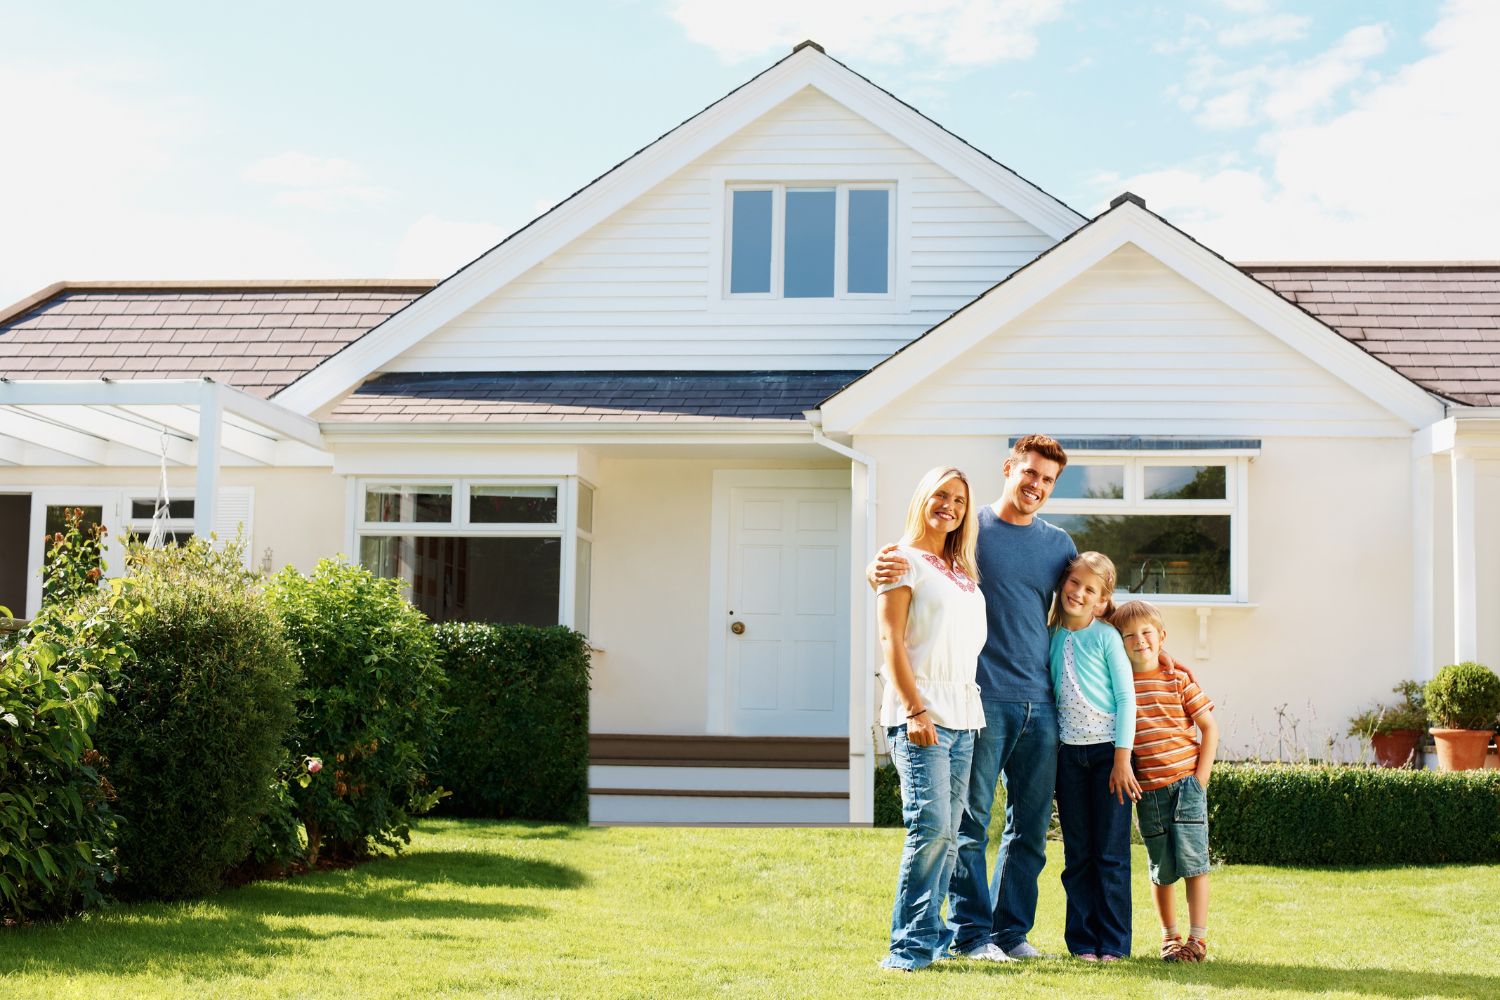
(1193, 950)
(1171, 947)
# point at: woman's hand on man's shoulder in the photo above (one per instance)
(889, 566)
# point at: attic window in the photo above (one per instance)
(814, 241)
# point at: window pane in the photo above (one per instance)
(1090, 482)
(750, 242)
(1185, 482)
(809, 243)
(513, 505)
(585, 508)
(409, 504)
(581, 580)
(507, 580)
(869, 241)
(1156, 553)
(169, 537)
(146, 508)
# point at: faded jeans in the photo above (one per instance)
(1019, 746)
(934, 784)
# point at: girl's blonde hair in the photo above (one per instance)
(1096, 563)
(960, 543)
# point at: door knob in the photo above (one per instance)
(738, 628)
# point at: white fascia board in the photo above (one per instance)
(272, 415)
(568, 433)
(643, 171)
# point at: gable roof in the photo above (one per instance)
(1127, 221)
(255, 335)
(807, 66)
(1436, 323)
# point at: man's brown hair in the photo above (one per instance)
(1042, 445)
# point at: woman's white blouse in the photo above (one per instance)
(945, 631)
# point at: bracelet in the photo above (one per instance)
(913, 715)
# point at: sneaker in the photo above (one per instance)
(1086, 956)
(988, 952)
(1023, 950)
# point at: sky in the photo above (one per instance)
(157, 140)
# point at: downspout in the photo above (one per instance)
(864, 740)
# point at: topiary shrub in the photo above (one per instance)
(516, 744)
(369, 708)
(1464, 696)
(57, 829)
(1286, 814)
(195, 731)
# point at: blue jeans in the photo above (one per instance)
(1018, 745)
(934, 783)
(1096, 851)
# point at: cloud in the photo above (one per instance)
(955, 32)
(1407, 172)
(322, 184)
(1275, 28)
(436, 247)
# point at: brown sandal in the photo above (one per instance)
(1170, 946)
(1193, 950)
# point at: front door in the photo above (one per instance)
(787, 611)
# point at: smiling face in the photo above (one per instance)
(1084, 596)
(946, 509)
(1029, 480)
(1143, 639)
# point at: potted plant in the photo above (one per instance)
(1393, 731)
(1463, 700)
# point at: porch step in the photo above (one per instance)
(642, 806)
(609, 779)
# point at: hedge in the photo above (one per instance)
(516, 745)
(1279, 814)
(887, 796)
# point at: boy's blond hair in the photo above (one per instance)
(1135, 611)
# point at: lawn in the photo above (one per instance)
(496, 909)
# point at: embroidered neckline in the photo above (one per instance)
(961, 581)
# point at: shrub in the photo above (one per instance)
(196, 728)
(1279, 814)
(56, 826)
(1408, 713)
(887, 796)
(1464, 696)
(369, 708)
(517, 742)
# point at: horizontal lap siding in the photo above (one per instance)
(1130, 347)
(633, 292)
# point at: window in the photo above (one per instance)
(178, 527)
(480, 550)
(814, 241)
(1169, 523)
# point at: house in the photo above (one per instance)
(679, 411)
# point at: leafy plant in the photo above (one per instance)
(1408, 713)
(1464, 696)
(369, 707)
(196, 728)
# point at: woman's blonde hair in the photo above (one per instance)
(1096, 563)
(960, 543)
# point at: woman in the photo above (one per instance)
(932, 627)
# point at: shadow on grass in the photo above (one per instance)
(240, 929)
(1310, 979)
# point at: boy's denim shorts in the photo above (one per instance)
(1174, 825)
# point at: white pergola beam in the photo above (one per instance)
(12, 451)
(113, 425)
(55, 437)
(210, 425)
(236, 440)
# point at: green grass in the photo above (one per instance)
(514, 910)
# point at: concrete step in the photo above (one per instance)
(686, 808)
(724, 779)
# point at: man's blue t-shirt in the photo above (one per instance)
(1019, 568)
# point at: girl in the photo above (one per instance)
(1095, 694)
(932, 627)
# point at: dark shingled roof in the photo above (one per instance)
(647, 397)
(256, 336)
(1437, 324)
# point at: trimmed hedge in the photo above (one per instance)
(516, 745)
(887, 796)
(1280, 814)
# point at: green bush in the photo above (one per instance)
(1279, 814)
(516, 745)
(887, 796)
(369, 708)
(56, 826)
(195, 731)
(1464, 696)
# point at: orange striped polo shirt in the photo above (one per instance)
(1166, 744)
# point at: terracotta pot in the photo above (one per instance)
(1395, 748)
(1461, 749)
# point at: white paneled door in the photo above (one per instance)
(786, 617)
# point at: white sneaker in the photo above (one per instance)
(988, 952)
(1022, 950)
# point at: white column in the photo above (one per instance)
(210, 423)
(1424, 565)
(861, 645)
(1465, 570)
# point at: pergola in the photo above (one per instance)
(197, 423)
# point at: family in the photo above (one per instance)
(1005, 659)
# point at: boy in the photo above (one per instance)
(1173, 769)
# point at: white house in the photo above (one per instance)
(679, 411)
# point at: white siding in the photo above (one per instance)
(1131, 347)
(634, 292)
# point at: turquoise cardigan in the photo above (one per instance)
(1103, 672)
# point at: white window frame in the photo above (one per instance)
(564, 529)
(1235, 504)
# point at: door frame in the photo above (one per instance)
(725, 481)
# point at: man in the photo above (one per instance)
(1021, 558)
